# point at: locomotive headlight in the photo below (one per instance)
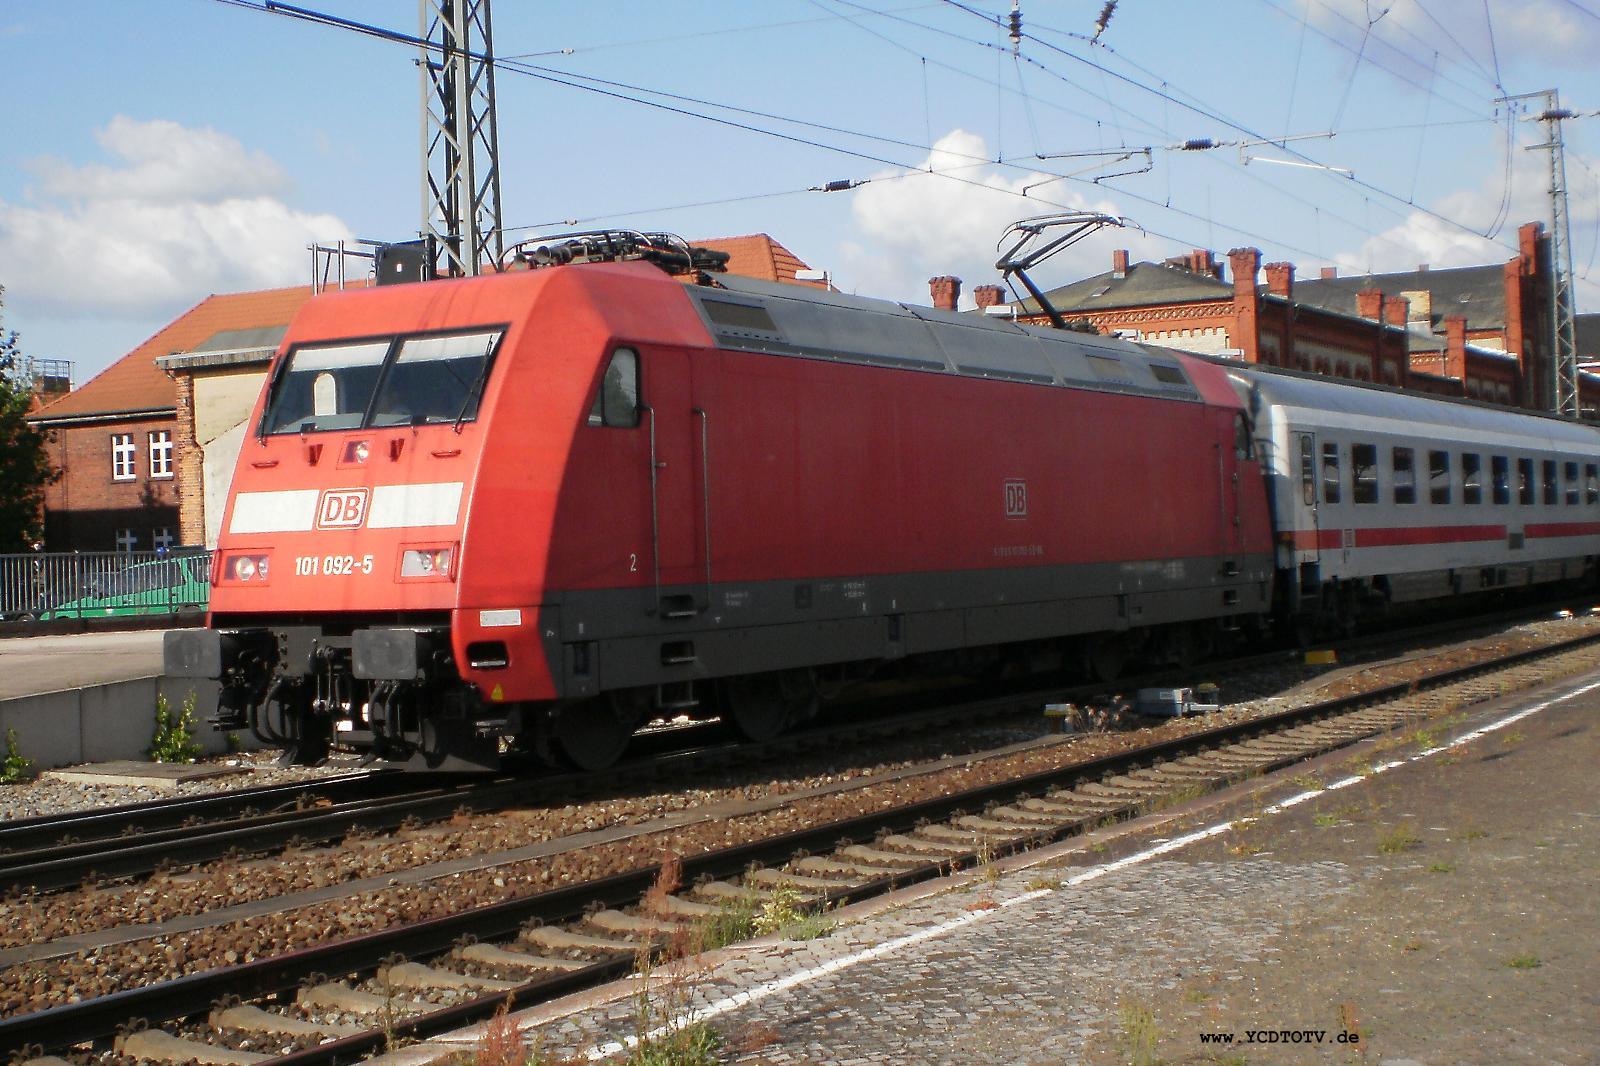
(251, 568)
(356, 451)
(427, 562)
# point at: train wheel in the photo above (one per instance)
(591, 734)
(764, 705)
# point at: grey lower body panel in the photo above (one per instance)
(615, 639)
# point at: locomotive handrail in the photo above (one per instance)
(655, 514)
(705, 491)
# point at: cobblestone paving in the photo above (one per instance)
(1443, 912)
(1023, 984)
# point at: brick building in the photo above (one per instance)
(118, 441)
(215, 382)
(1479, 332)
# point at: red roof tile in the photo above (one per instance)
(135, 383)
(757, 255)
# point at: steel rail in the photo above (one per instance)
(102, 823)
(118, 847)
(98, 1019)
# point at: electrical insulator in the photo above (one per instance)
(1016, 28)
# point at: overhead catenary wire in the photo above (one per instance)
(577, 82)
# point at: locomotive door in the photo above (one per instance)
(672, 424)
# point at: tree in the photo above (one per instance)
(25, 467)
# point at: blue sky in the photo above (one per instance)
(170, 149)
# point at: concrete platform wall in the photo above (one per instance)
(104, 722)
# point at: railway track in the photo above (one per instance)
(66, 852)
(544, 945)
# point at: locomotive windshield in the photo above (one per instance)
(401, 381)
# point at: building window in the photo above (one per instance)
(161, 538)
(161, 453)
(127, 540)
(122, 457)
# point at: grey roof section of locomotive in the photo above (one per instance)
(1422, 416)
(749, 314)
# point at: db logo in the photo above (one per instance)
(1016, 499)
(341, 508)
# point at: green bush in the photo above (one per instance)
(14, 768)
(174, 737)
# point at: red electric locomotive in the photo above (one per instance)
(543, 507)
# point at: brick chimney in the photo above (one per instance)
(1329, 273)
(1119, 263)
(1280, 279)
(1455, 348)
(988, 295)
(1369, 303)
(1244, 263)
(946, 290)
(1245, 334)
(1397, 311)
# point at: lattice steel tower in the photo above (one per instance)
(1564, 341)
(460, 148)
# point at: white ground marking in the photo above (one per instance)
(844, 962)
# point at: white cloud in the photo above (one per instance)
(177, 213)
(1424, 238)
(927, 224)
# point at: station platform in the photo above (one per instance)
(1429, 901)
(30, 666)
(74, 698)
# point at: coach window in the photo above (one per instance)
(1439, 477)
(1471, 477)
(1500, 470)
(617, 405)
(1569, 471)
(1330, 472)
(1403, 465)
(1552, 491)
(1525, 492)
(1364, 473)
(1591, 483)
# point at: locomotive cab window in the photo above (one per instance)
(617, 403)
(1525, 493)
(1364, 473)
(325, 387)
(1330, 472)
(1552, 493)
(1500, 470)
(1403, 466)
(1570, 472)
(435, 379)
(1244, 446)
(389, 381)
(1471, 477)
(1439, 477)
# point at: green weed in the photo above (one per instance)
(14, 768)
(174, 736)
